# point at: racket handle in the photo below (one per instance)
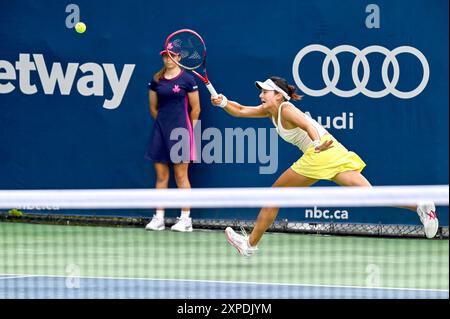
(211, 90)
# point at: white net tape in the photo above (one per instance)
(226, 197)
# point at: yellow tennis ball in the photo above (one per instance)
(80, 27)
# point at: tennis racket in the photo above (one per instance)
(192, 51)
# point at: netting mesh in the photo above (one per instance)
(286, 226)
(47, 254)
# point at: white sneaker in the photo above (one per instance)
(240, 242)
(157, 223)
(428, 217)
(184, 224)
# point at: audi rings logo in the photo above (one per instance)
(360, 84)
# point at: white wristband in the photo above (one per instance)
(316, 143)
(224, 102)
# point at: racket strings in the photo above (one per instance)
(191, 49)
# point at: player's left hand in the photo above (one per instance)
(324, 146)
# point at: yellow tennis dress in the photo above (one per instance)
(325, 164)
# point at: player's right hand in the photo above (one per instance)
(216, 101)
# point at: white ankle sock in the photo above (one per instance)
(160, 213)
(185, 213)
(248, 242)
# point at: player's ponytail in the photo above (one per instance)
(292, 94)
(286, 87)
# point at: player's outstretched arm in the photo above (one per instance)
(235, 109)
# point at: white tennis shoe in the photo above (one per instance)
(428, 217)
(157, 223)
(240, 242)
(184, 224)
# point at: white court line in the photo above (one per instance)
(16, 276)
(239, 282)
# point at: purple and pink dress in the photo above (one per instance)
(173, 113)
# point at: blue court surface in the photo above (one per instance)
(50, 287)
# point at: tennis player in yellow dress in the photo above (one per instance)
(324, 158)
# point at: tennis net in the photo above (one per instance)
(46, 250)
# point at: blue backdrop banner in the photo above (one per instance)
(74, 110)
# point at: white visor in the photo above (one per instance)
(269, 85)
